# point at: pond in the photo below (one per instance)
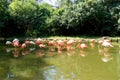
(33, 63)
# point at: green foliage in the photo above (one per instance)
(72, 17)
(3, 15)
(29, 16)
(89, 17)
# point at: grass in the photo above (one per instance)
(60, 37)
(113, 39)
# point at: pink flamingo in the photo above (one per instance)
(42, 45)
(38, 41)
(23, 46)
(16, 42)
(106, 43)
(52, 44)
(92, 43)
(60, 44)
(69, 44)
(28, 42)
(100, 42)
(82, 45)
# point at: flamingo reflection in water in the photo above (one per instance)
(106, 46)
(24, 49)
(99, 46)
(40, 53)
(16, 52)
(52, 45)
(82, 47)
(16, 44)
(92, 43)
(70, 44)
(60, 45)
(106, 57)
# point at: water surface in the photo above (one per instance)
(33, 63)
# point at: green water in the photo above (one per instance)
(94, 63)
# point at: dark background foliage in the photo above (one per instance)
(69, 18)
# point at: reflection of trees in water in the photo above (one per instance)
(54, 73)
(25, 68)
(33, 69)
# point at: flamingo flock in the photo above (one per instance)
(55, 44)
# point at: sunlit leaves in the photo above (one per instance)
(99, 17)
(29, 15)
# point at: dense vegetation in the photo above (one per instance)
(69, 18)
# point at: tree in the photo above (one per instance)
(29, 16)
(4, 16)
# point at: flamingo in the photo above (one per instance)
(83, 46)
(92, 43)
(32, 42)
(92, 40)
(23, 46)
(52, 44)
(106, 43)
(42, 45)
(27, 42)
(8, 42)
(69, 44)
(38, 41)
(60, 44)
(100, 42)
(16, 42)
